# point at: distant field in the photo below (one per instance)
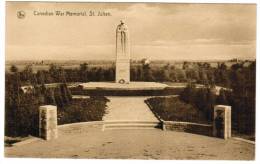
(67, 65)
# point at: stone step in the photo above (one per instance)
(130, 122)
(131, 125)
(129, 128)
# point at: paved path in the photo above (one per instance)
(128, 108)
(133, 144)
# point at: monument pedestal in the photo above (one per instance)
(117, 89)
(123, 71)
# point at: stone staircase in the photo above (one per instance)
(129, 112)
(112, 125)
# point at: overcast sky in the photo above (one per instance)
(157, 31)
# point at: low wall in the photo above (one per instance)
(80, 126)
(190, 127)
(203, 129)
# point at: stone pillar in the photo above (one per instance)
(122, 54)
(222, 121)
(48, 122)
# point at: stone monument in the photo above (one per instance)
(122, 73)
(48, 122)
(122, 54)
(222, 121)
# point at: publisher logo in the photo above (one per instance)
(20, 14)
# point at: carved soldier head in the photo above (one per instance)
(122, 26)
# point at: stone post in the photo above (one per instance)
(48, 122)
(222, 121)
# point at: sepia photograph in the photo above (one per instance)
(130, 80)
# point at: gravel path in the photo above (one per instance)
(133, 144)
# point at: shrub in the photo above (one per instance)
(23, 118)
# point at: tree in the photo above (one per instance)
(28, 72)
(192, 74)
(203, 76)
(181, 75)
(100, 74)
(221, 75)
(21, 110)
(133, 74)
(140, 76)
(147, 73)
(222, 98)
(40, 77)
(185, 65)
(58, 97)
(242, 99)
(202, 98)
(83, 70)
(12, 101)
(13, 69)
(49, 97)
(65, 93)
(189, 93)
(211, 102)
(57, 73)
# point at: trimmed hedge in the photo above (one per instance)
(83, 110)
(111, 92)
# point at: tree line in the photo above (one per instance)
(200, 72)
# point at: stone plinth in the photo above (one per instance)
(222, 121)
(131, 86)
(48, 122)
